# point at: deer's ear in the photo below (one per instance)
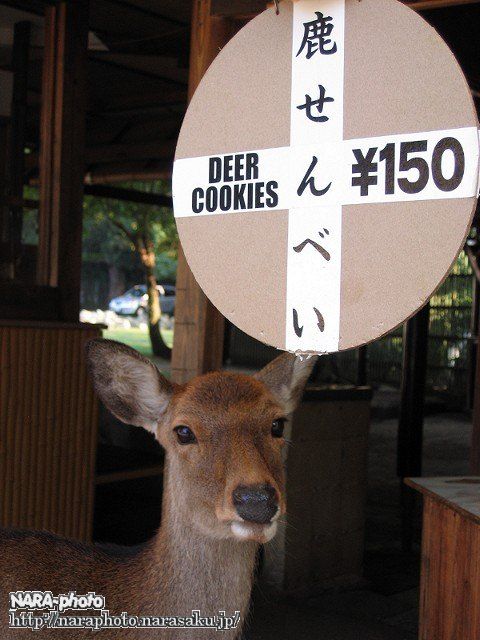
(286, 377)
(129, 385)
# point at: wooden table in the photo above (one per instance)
(450, 582)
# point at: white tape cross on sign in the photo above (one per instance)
(320, 172)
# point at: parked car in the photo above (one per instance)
(134, 301)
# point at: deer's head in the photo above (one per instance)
(223, 434)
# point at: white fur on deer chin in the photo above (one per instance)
(258, 532)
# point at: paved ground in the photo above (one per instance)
(385, 607)
(361, 615)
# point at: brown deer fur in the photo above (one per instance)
(196, 560)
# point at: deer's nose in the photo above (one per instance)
(255, 503)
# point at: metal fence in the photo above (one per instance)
(448, 349)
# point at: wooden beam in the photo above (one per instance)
(99, 57)
(105, 191)
(156, 150)
(129, 172)
(121, 152)
(36, 7)
(25, 203)
(106, 101)
(127, 195)
(122, 172)
(62, 145)
(152, 109)
(149, 14)
(421, 5)
(199, 327)
(235, 8)
(244, 8)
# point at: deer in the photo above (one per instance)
(224, 491)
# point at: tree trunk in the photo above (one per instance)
(159, 347)
(116, 281)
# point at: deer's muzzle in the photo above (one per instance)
(255, 503)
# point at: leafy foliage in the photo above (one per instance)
(107, 225)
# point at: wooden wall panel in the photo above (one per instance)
(450, 585)
(48, 429)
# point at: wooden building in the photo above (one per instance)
(92, 94)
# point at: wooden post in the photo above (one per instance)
(362, 366)
(473, 342)
(199, 327)
(410, 427)
(5, 269)
(16, 155)
(475, 443)
(474, 378)
(62, 150)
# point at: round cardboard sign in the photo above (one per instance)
(326, 173)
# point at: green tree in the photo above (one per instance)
(147, 231)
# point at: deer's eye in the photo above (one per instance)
(278, 427)
(185, 435)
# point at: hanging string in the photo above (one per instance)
(277, 8)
